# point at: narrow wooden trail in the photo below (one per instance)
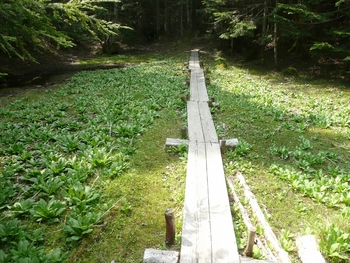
(207, 233)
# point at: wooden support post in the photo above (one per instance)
(184, 132)
(223, 145)
(251, 238)
(175, 142)
(170, 227)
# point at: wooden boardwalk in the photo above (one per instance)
(207, 233)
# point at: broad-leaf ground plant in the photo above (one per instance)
(294, 148)
(74, 162)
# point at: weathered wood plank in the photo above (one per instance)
(175, 142)
(194, 59)
(208, 127)
(207, 233)
(196, 242)
(251, 260)
(224, 244)
(200, 123)
(198, 90)
(160, 256)
(308, 250)
(195, 132)
(204, 245)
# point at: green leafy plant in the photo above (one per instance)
(11, 231)
(243, 148)
(22, 207)
(258, 253)
(334, 243)
(79, 225)
(80, 195)
(48, 211)
(287, 241)
(120, 164)
(125, 207)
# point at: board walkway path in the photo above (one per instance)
(207, 232)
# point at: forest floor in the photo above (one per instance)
(57, 66)
(291, 122)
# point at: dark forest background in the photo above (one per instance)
(309, 29)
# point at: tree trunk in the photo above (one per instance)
(181, 22)
(166, 17)
(275, 55)
(189, 10)
(264, 32)
(115, 12)
(157, 18)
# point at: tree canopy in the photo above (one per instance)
(28, 25)
(305, 27)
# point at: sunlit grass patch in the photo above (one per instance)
(297, 133)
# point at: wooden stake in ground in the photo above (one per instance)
(251, 238)
(170, 227)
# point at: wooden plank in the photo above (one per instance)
(202, 89)
(209, 131)
(194, 85)
(194, 59)
(195, 132)
(160, 256)
(196, 242)
(224, 244)
(207, 233)
(175, 142)
(200, 123)
(251, 260)
(204, 233)
(198, 90)
(308, 250)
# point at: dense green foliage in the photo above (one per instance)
(318, 28)
(28, 25)
(59, 153)
(308, 27)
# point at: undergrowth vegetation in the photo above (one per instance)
(62, 154)
(85, 177)
(294, 149)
